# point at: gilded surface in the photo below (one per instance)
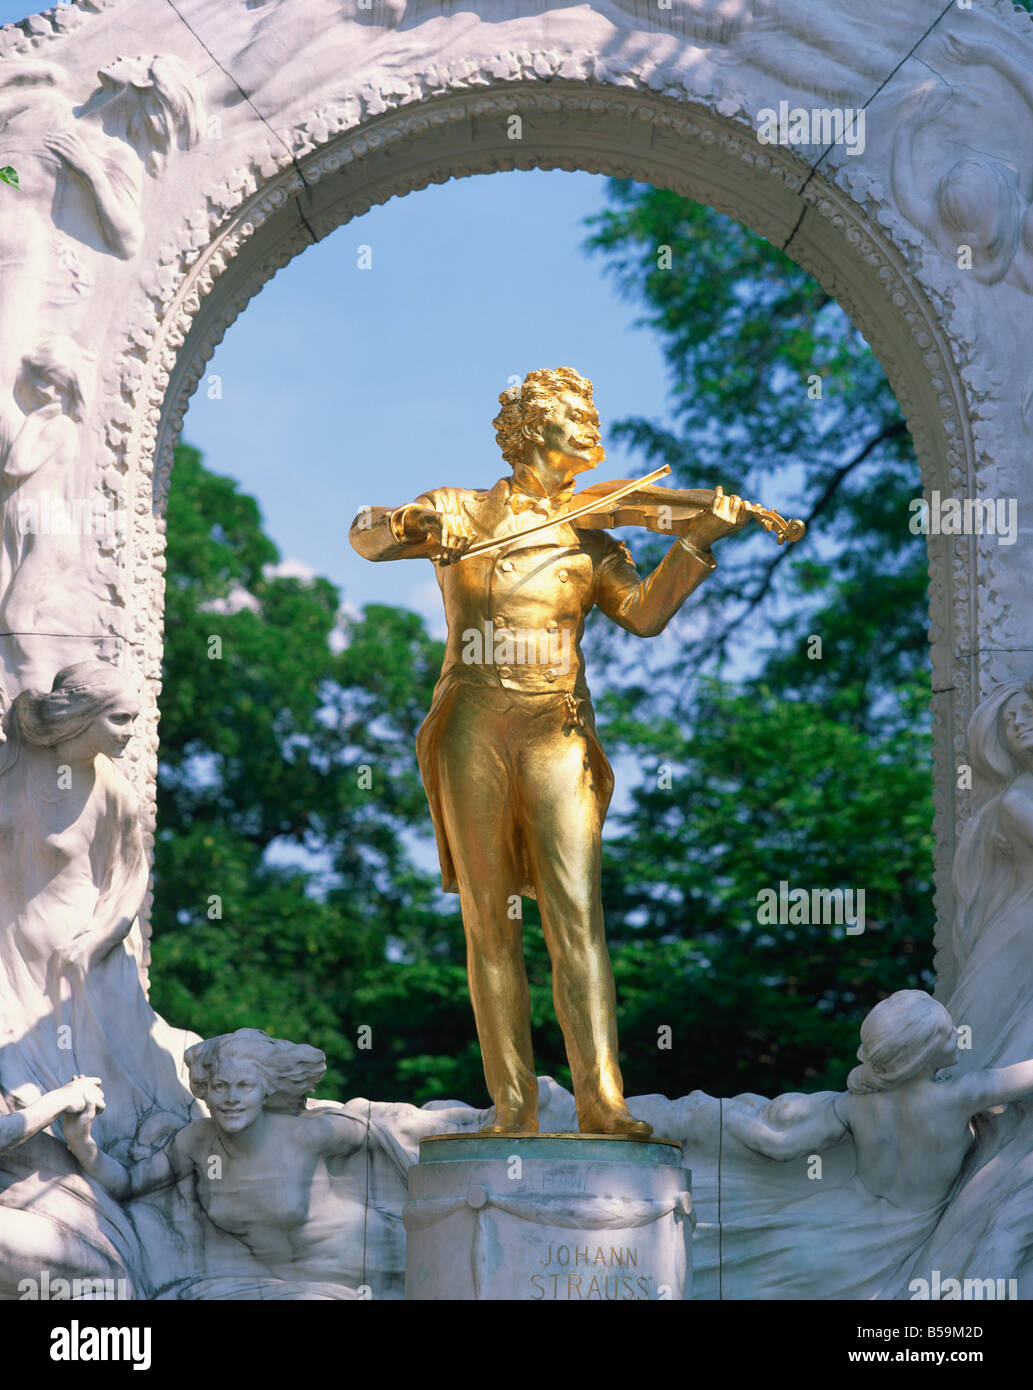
(517, 781)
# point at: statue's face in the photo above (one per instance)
(34, 391)
(122, 73)
(112, 730)
(236, 1095)
(571, 434)
(948, 1055)
(1017, 718)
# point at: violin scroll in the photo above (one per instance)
(783, 530)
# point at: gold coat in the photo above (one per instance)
(545, 588)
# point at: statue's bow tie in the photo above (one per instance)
(544, 506)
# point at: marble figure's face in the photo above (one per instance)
(236, 1094)
(1017, 719)
(949, 1053)
(112, 729)
(122, 73)
(33, 390)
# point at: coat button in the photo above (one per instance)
(506, 566)
(505, 672)
(552, 625)
(550, 674)
(561, 575)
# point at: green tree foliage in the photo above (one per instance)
(758, 790)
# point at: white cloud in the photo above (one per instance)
(290, 569)
(237, 598)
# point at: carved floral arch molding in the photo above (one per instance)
(264, 126)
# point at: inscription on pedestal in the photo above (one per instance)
(583, 1272)
(576, 1219)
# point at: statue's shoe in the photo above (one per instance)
(512, 1124)
(604, 1120)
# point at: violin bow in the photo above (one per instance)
(482, 547)
(770, 520)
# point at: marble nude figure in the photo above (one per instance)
(257, 1166)
(909, 1115)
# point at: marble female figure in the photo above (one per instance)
(259, 1170)
(979, 204)
(912, 1129)
(993, 880)
(910, 1120)
(988, 1230)
(73, 878)
(84, 164)
(43, 489)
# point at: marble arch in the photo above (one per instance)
(173, 156)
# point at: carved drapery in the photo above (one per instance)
(253, 141)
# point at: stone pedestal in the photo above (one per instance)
(544, 1217)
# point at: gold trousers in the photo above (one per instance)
(516, 775)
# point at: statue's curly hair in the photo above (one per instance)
(525, 408)
(288, 1070)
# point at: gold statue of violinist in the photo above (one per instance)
(517, 780)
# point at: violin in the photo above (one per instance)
(668, 509)
(636, 502)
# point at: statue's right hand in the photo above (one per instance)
(73, 958)
(83, 1093)
(65, 144)
(451, 530)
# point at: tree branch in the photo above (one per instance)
(890, 431)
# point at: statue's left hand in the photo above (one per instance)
(727, 515)
(77, 1126)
